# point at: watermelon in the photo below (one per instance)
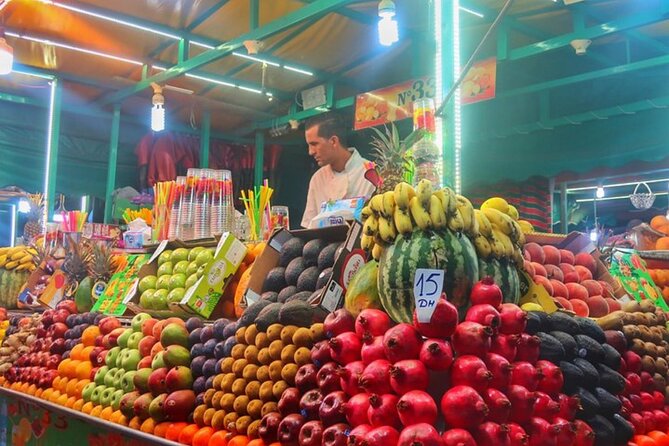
(445, 250)
(505, 276)
(363, 290)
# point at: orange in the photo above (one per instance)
(46, 393)
(123, 421)
(662, 244)
(115, 416)
(83, 370)
(187, 433)
(174, 430)
(71, 387)
(658, 221)
(219, 438)
(202, 436)
(54, 396)
(148, 426)
(106, 413)
(257, 442)
(239, 440)
(135, 423)
(87, 408)
(643, 440)
(70, 402)
(97, 410)
(86, 353)
(32, 389)
(660, 438)
(76, 352)
(38, 393)
(161, 429)
(89, 335)
(72, 368)
(24, 387)
(80, 387)
(78, 405)
(62, 385)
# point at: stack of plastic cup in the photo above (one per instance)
(202, 205)
(174, 229)
(186, 222)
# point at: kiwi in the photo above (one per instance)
(218, 420)
(249, 373)
(251, 354)
(253, 428)
(266, 394)
(288, 373)
(317, 332)
(302, 337)
(208, 396)
(198, 414)
(216, 383)
(239, 386)
(269, 407)
(240, 404)
(274, 332)
(240, 335)
(262, 374)
(275, 349)
(216, 400)
(262, 340)
(287, 334)
(275, 370)
(226, 383)
(253, 390)
(226, 365)
(253, 409)
(208, 416)
(227, 401)
(288, 353)
(242, 424)
(302, 356)
(250, 334)
(238, 351)
(278, 388)
(238, 367)
(230, 420)
(263, 356)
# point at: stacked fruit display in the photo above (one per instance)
(571, 279)
(304, 268)
(19, 338)
(15, 266)
(178, 270)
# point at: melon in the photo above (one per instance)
(505, 276)
(363, 289)
(442, 250)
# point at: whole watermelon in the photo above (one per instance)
(425, 249)
(504, 274)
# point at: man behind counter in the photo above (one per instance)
(342, 169)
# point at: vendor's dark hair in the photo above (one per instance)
(329, 125)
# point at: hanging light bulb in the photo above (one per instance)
(158, 109)
(593, 235)
(600, 192)
(6, 55)
(388, 30)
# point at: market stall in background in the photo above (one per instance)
(506, 283)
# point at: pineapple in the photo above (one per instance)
(77, 262)
(102, 263)
(393, 156)
(34, 226)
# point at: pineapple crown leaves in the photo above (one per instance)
(77, 260)
(388, 146)
(102, 261)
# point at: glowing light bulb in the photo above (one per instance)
(6, 57)
(388, 30)
(600, 192)
(24, 206)
(158, 118)
(593, 235)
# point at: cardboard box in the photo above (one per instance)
(122, 287)
(349, 260)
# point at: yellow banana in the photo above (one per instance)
(505, 241)
(403, 194)
(424, 192)
(437, 213)
(443, 199)
(452, 201)
(3, 260)
(485, 228)
(4, 250)
(467, 211)
(16, 255)
(379, 241)
(366, 212)
(518, 258)
(500, 220)
(496, 246)
(366, 242)
(23, 266)
(377, 250)
(371, 226)
(387, 230)
(455, 222)
(11, 265)
(513, 212)
(419, 214)
(27, 258)
(482, 245)
(402, 220)
(388, 204)
(376, 203)
(518, 238)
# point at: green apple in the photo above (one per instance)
(200, 271)
(112, 354)
(192, 279)
(192, 268)
(88, 391)
(180, 267)
(131, 359)
(164, 256)
(133, 341)
(146, 283)
(164, 282)
(160, 299)
(116, 399)
(109, 377)
(128, 381)
(119, 357)
(106, 396)
(177, 281)
(194, 252)
(122, 340)
(204, 257)
(117, 378)
(158, 361)
(146, 299)
(138, 320)
(176, 295)
(96, 394)
(178, 255)
(165, 269)
(100, 375)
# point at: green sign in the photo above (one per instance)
(631, 271)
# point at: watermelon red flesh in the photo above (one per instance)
(425, 249)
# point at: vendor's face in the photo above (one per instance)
(321, 149)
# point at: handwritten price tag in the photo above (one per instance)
(427, 286)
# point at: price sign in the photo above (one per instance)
(427, 286)
(161, 247)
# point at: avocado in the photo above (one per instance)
(250, 314)
(573, 376)
(550, 348)
(559, 321)
(294, 269)
(323, 278)
(589, 349)
(275, 280)
(290, 250)
(296, 313)
(302, 295)
(624, 430)
(590, 375)
(590, 328)
(589, 404)
(610, 380)
(271, 296)
(308, 279)
(327, 257)
(568, 343)
(534, 322)
(608, 403)
(312, 250)
(287, 292)
(268, 316)
(605, 432)
(611, 357)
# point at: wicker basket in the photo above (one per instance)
(642, 200)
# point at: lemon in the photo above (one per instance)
(496, 203)
(531, 306)
(513, 212)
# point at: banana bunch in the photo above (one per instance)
(404, 209)
(499, 224)
(17, 258)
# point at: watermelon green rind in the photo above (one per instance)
(505, 276)
(462, 270)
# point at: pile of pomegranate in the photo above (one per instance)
(479, 381)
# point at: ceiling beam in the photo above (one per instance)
(318, 8)
(592, 32)
(199, 20)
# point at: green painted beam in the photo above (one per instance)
(593, 32)
(112, 161)
(205, 139)
(53, 142)
(611, 71)
(304, 114)
(254, 14)
(8, 97)
(206, 15)
(639, 37)
(259, 159)
(182, 53)
(319, 7)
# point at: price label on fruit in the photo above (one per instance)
(427, 286)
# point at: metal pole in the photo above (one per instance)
(53, 141)
(254, 14)
(260, 155)
(111, 163)
(205, 137)
(564, 218)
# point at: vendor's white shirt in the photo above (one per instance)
(328, 185)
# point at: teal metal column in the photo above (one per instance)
(111, 163)
(447, 44)
(260, 158)
(205, 137)
(53, 141)
(254, 13)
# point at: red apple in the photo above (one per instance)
(67, 305)
(60, 316)
(108, 324)
(145, 346)
(147, 326)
